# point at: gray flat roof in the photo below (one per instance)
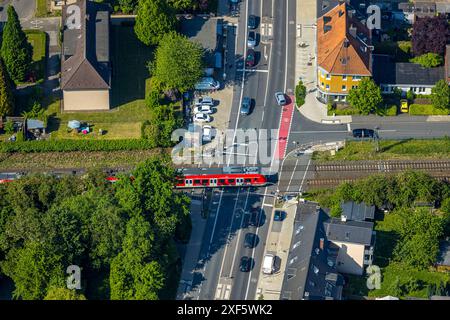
(349, 231)
(357, 211)
(310, 271)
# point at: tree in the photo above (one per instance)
(63, 294)
(428, 60)
(33, 269)
(440, 95)
(154, 19)
(6, 96)
(430, 34)
(127, 6)
(366, 97)
(134, 272)
(178, 62)
(15, 50)
(181, 4)
(300, 94)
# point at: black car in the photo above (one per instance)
(363, 133)
(252, 23)
(246, 264)
(250, 58)
(246, 105)
(254, 217)
(251, 240)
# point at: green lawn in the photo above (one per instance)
(37, 39)
(129, 86)
(390, 149)
(426, 109)
(41, 8)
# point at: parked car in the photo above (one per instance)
(204, 101)
(246, 105)
(281, 99)
(201, 117)
(268, 264)
(250, 58)
(203, 109)
(251, 39)
(252, 22)
(251, 240)
(246, 264)
(363, 133)
(404, 106)
(207, 133)
(279, 215)
(207, 83)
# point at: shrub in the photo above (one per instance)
(425, 109)
(300, 94)
(9, 127)
(428, 60)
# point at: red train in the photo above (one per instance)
(221, 180)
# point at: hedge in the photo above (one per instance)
(426, 109)
(66, 145)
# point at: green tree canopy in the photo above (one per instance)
(300, 93)
(178, 63)
(55, 293)
(6, 96)
(15, 50)
(366, 97)
(440, 95)
(429, 60)
(154, 19)
(127, 6)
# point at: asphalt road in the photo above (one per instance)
(24, 8)
(223, 244)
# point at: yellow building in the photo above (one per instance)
(343, 53)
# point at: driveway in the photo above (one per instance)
(25, 9)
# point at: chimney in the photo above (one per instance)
(343, 218)
(321, 243)
(352, 30)
(346, 43)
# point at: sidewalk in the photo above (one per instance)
(190, 259)
(306, 61)
(278, 243)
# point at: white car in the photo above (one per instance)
(205, 101)
(203, 109)
(201, 117)
(207, 133)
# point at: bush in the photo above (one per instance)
(9, 127)
(388, 110)
(300, 94)
(425, 109)
(76, 145)
(428, 60)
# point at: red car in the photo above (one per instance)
(250, 58)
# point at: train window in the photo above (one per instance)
(247, 180)
(205, 182)
(221, 181)
(196, 181)
(230, 180)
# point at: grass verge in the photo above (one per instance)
(390, 150)
(425, 109)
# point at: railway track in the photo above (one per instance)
(383, 166)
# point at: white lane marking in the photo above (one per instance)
(292, 175)
(243, 77)
(228, 235)
(304, 176)
(252, 70)
(319, 131)
(287, 46)
(239, 234)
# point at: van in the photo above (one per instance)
(268, 263)
(207, 83)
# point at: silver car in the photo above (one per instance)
(251, 40)
(281, 99)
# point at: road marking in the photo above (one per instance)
(304, 176)
(292, 175)
(228, 235)
(319, 131)
(253, 70)
(239, 234)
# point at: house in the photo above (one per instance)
(405, 76)
(311, 272)
(355, 241)
(424, 8)
(85, 65)
(57, 5)
(343, 53)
